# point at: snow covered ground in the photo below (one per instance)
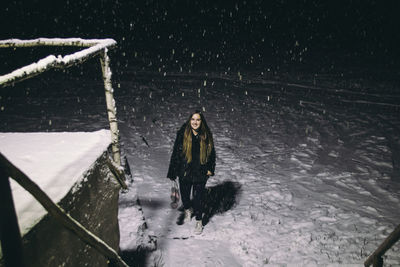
(304, 175)
(307, 166)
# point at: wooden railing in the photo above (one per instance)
(10, 236)
(376, 258)
(93, 47)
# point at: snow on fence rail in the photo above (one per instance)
(94, 48)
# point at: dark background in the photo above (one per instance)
(217, 35)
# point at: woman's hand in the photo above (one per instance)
(209, 173)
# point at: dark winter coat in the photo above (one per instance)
(179, 167)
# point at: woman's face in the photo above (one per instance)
(195, 121)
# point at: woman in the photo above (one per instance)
(193, 161)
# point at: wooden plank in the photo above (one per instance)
(386, 245)
(78, 42)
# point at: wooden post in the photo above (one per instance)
(376, 257)
(118, 172)
(10, 235)
(111, 110)
(378, 261)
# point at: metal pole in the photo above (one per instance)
(10, 236)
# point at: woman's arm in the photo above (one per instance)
(211, 163)
(174, 161)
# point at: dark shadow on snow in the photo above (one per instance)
(134, 258)
(141, 255)
(152, 204)
(218, 199)
(181, 216)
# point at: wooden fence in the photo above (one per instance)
(9, 232)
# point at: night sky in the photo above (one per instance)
(221, 34)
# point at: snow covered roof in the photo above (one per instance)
(56, 162)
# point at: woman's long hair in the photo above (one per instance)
(206, 140)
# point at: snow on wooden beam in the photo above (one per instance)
(54, 42)
(95, 47)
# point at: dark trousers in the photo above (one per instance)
(198, 196)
